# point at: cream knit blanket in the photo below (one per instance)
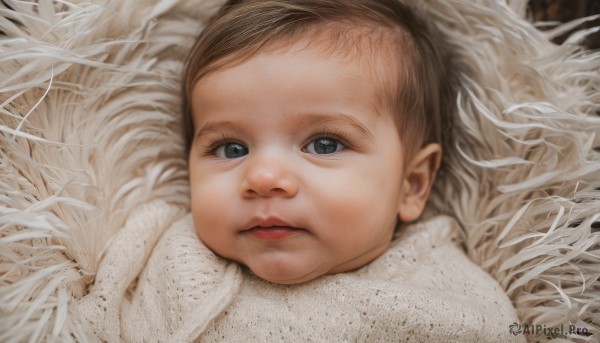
(423, 288)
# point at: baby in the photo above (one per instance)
(314, 128)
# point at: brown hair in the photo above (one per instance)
(424, 94)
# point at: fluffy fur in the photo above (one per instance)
(90, 130)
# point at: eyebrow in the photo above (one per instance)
(301, 119)
(295, 120)
(214, 127)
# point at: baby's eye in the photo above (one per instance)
(231, 150)
(324, 145)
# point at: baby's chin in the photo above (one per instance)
(287, 279)
(284, 273)
(294, 272)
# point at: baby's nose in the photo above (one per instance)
(269, 177)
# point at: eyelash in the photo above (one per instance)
(329, 133)
(213, 144)
(324, 132)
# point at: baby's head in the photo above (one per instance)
(314, 127)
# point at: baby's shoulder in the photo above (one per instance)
(417, 246)
(428, 254)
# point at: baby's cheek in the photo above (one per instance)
(209, 190)
(210, 204)
(346, 206)
(358, 213)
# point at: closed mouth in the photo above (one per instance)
(267, 222)
(273, 232)
(271, 228)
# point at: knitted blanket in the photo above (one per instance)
(90, 136)
(424, 287)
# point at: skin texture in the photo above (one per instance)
(274, 108)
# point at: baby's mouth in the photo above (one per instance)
(273, 232)
(271, 228)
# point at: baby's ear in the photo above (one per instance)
(418, 180)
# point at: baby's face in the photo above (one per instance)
(293, 171)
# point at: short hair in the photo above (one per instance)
(422, 96)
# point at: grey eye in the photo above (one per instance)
(231, 150)
(324, 145)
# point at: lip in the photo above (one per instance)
(271, 228)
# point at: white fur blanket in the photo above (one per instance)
(89, 131)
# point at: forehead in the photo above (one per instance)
(367, 52)
(294, 70)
